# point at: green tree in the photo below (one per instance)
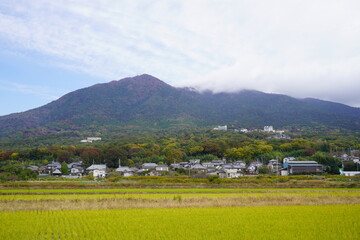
(112, 156)
(196, 150)
(64, 168)
(212, 148)
(175, 155)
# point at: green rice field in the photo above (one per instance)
(198, 213)
(280, 222)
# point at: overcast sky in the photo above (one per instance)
(299, 48)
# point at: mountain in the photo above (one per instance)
(150, 103)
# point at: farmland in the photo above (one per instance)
(180, 213)
(276, 222)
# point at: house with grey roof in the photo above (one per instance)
(198, 167)
(56, 172)
(148, 166)
(127, 171)
(97, 170)
(194, 161)
(232, 171)
(294, 167)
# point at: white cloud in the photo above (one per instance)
(40, 91)
(302, 48)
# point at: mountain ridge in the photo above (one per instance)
(149, 100)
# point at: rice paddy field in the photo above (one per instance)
(201, 213)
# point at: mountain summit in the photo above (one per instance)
(151, 103)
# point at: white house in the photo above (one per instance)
(268, 129)
(350, 173)
(162, 168)
(97, 170)
(223, 128)
(76, 171)
(90, 139)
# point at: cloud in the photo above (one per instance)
(301, 48)
(40, 91)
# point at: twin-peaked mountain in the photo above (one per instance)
(148, 102)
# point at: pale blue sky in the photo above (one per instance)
(300, 48)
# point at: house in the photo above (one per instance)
(274, 165)
(194, 161)
(198, 167)
(97, 170)
(121, 170)
(175, 166)
(76, 171)
(232, 171)
(243, 130)
(57, 173)
(303, 167)
(280, 136)
(162, 168)
(221, 174)
(286, 160)
(240, 163)
(127, 171)
(184, 164)
(208, 165)
(49, 168)
(148, 166)
(211, 169)
(218, 163)
(350, 173)
(223, 128)
(74, 164)
(90, 139)
(269, 129)
(254, 166)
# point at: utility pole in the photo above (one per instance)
(119, 162)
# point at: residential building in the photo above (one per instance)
(303, 167)
(97, 170)
(148, 166)
(223, 128)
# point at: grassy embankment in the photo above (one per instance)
(75, 199)
(302, 181)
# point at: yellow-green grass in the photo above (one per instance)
(172, 190)
(167, 196)
(281, 222)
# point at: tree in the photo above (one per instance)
(196, 150)
(131, 163)
(174, 155)
(64, 168)
(212, 148)
(90, 155)
(263, 170)
(112, 156)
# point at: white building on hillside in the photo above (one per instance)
(223, 128)
(269, 129)
(90, 139)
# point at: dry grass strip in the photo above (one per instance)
(176, 202)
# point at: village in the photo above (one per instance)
(194, 168)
